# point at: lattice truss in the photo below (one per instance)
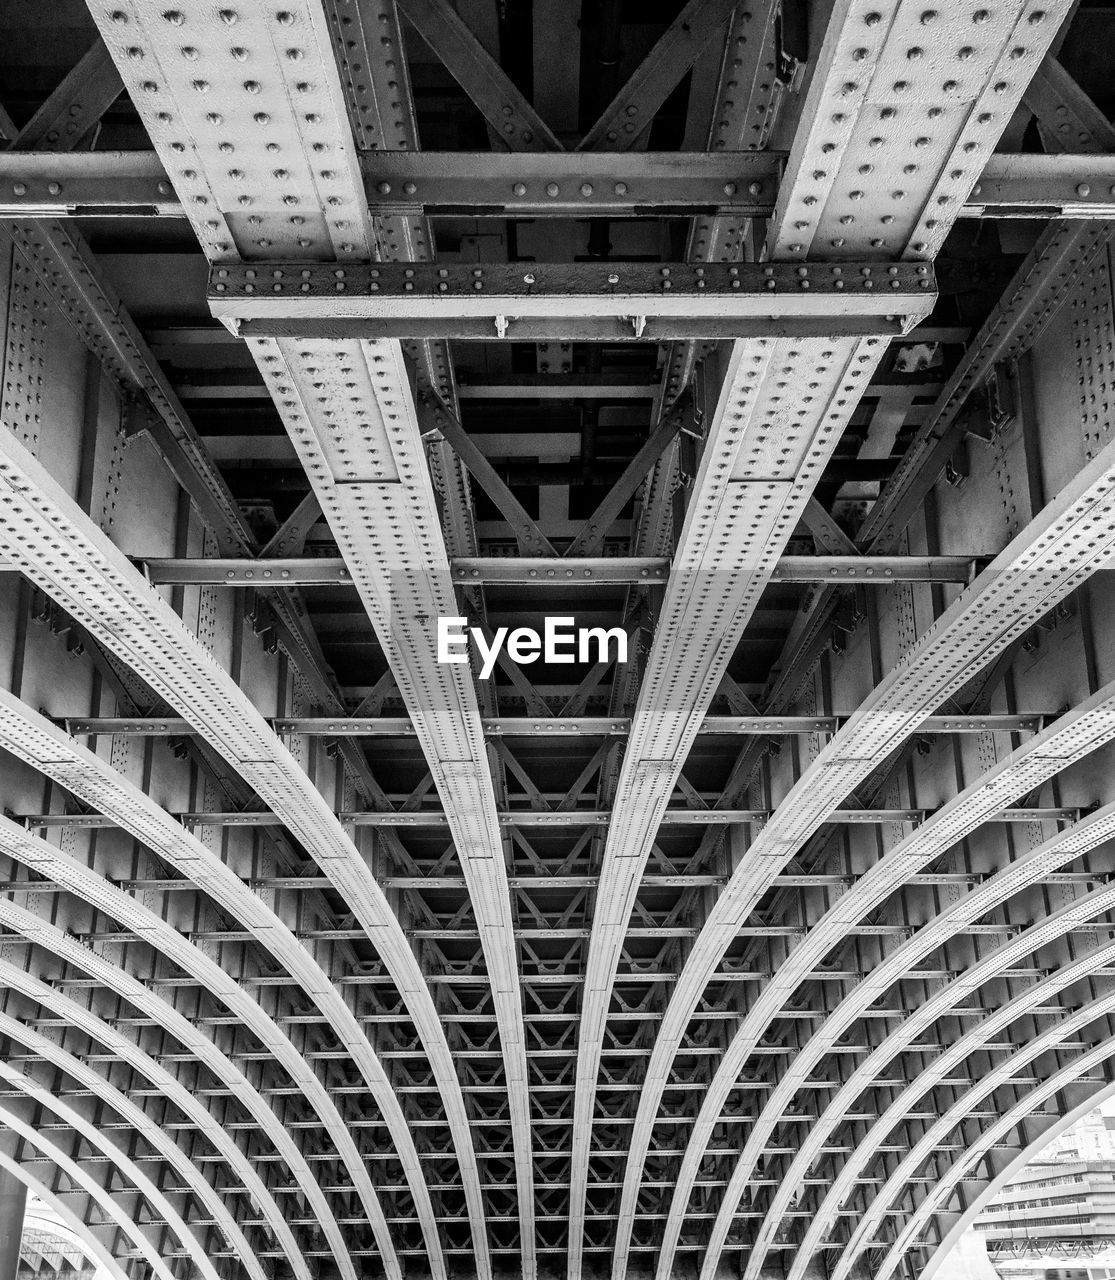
(771, 951)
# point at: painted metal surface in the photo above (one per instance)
(289, 137)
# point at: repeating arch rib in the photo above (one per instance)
(1011, 1168)
(50, 539)
(1075, 735)
(113, 1152)
(1067, 542)
(350, 413)
(1029, 869)
(866, 1148)
(394, 565)
(170, 1151)
(80, 1177)
(34, 739)
(97, 1029)
(18, 844)
(813, 218)
(923, 1149)
(94, 1247)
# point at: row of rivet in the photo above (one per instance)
(553, 189)
(56, 188)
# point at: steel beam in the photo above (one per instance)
(851, 109)
(75, 106)
(1041, 186)
(943, 1187)
(83, 1179)
(273, 299)
(540, 817)
(153, 929)
(122, 1158)
(566, 571)
(1068, 740)
(510, 116)
(633, 109)
(369, 472)
(32, 738)
(533, 727)
(79, 1016)
(110, 598)
(1039, 567)
(482, 184)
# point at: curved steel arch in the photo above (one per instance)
(95, 1248)
(38, 742)
(988, 1137)
(88, 884)
(77, 1175)
(1059, 549)
(349, 412)
(83, 1019)
(157, 1199)
(47, 536)
(171, 1152)
(1069, 739)
(1010, 1170)
(866, 1148)
(135, 992)
(1085, 835)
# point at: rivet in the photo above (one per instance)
(621, 188)
(552, 189)
(1083, 189)
(228, 17)
(20, 188)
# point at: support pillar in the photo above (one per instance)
(13, 1201)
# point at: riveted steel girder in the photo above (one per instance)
(974, 1151)
(717, 186)
(81, 1017)
(110, 598)
(849, 102)
(867, 1148)
(549, 572)
(158, 933)
(1085, 835)
(614, 301)
(83, 1176)
(31, 737)
(97, 1137)
(1043, 564)
(1071, 738)
(373, 482)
